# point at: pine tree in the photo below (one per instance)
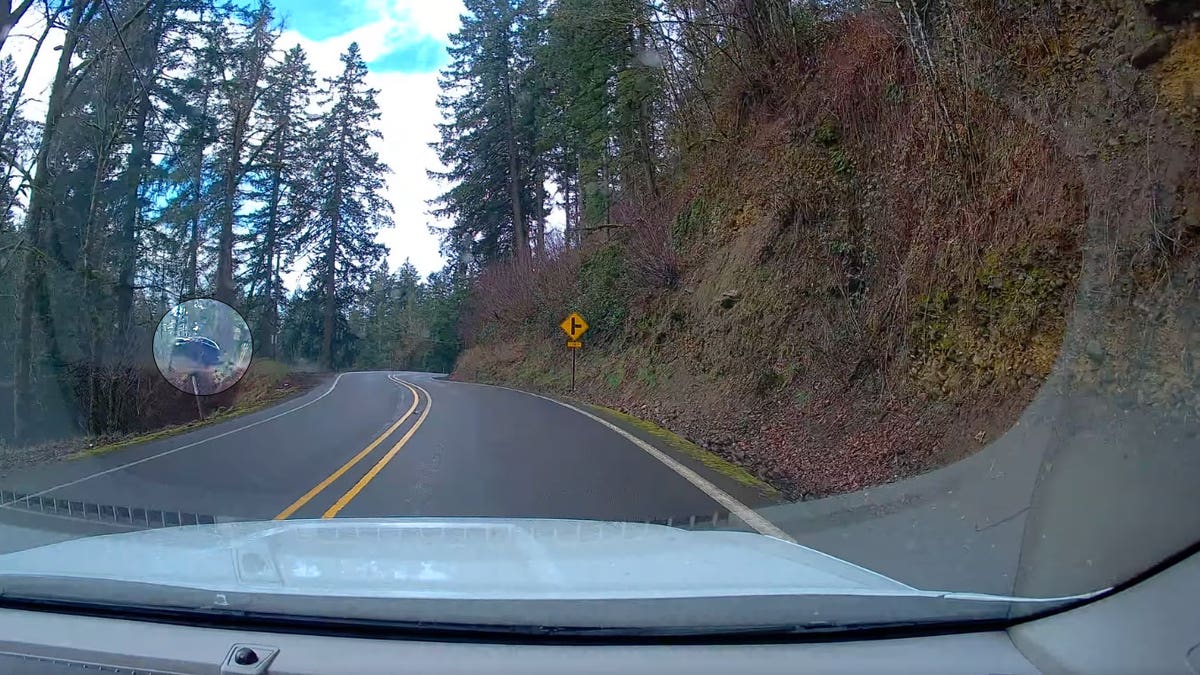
(484, 140)
(280, 182)
(16, 146)
(189, 182)
(602, 100)
(243, 68)
(348, 190)
(33, 308)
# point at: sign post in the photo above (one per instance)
(574, 326)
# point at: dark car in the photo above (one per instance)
(201, 351)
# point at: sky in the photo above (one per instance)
(404, 43)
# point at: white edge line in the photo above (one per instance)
(187, 446)
(735, 507)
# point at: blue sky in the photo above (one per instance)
(411, 45)
(322, 20)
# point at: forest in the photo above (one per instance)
(180, 152)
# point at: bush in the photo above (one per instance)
(604, 292)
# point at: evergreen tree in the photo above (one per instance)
(348, 193)
(280, 182)
(484, 140)
(603, 103)
(443, 299)
(189, 182)
(243, 61)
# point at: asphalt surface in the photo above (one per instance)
(370, 445)
(1074, 498)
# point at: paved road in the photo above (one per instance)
(1019, 517)
(368, 445)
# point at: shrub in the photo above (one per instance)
(604, 291)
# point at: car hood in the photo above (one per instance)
(455, 558)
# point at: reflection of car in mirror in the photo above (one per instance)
(199, 350)
(193, 363)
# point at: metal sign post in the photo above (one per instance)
(574, 326)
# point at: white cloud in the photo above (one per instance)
(408, 102)
(438, 18)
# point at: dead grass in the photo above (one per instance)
(1179, 75)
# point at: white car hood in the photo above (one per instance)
(516, 559)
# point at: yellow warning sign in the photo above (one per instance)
(574, 344)
(574, 326)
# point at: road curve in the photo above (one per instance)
(371, 444)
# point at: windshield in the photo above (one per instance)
(672, 315)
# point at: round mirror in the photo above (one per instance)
(202, 347)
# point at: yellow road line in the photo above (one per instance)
(362, 483)
(286, 513)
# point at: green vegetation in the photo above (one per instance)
(1001, 328)
(648, 376)
(614, 379)
(604, 291)
(692, 221)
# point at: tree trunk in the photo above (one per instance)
(520, 234)
(568, 229)
(89, 305)
(127, 244)
(539, 234)
(331, 259)
(266, 327)
(330, 295)
(242, 110)
(192, 282)
(229, 187)
(39, 204)
(272, 333)
(580, 203)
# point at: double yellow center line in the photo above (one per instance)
(374, 471)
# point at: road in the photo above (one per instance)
(376, 445)
(412, 444)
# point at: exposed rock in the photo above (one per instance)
(730, 298)
(1095, 350)
(1151, 52)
